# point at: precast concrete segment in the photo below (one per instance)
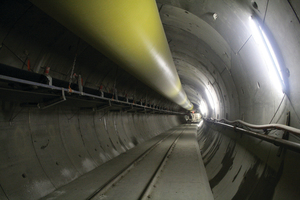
(43, 150)
(128, 32)
(184, 175)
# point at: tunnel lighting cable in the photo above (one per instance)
(268, 54)
(210, 99)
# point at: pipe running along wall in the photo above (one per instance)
(128, 32)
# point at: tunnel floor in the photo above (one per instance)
(168, 166)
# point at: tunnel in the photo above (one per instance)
(165, 99)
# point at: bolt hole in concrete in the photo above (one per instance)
(254, 4)
(24, 175)
(95, 149)
(79, 156)
(56, 163)
(46, 145)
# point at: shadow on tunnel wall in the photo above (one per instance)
(42, 150)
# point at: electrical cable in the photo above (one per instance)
(264, 126)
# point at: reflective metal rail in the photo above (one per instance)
(276, 141)
(264, 126)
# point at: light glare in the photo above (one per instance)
(200, 124)
(268, 54)
(203, 108)
(210, 99)
(272, 53)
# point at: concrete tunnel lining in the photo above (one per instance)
(234, 163)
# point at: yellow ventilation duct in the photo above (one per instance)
(130, 33)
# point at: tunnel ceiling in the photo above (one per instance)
(200, 52)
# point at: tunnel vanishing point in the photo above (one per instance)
(165, 99)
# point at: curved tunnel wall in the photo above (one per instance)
(241, 167)
(238, 166)
(45, 149)
(203, 59)
(231, 160)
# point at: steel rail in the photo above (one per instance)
(274, 140)
(151, 184)
(264, 126)
(105, 187)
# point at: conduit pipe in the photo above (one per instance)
(274, 140)
(264, 126)
(128, 32)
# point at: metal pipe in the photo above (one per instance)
(264, 126)
(130, 33)
(277, 141)
(17, 80)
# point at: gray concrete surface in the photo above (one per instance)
(42, 151)
(182, 177)
(56, 146)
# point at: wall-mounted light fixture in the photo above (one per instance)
(268, 53)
